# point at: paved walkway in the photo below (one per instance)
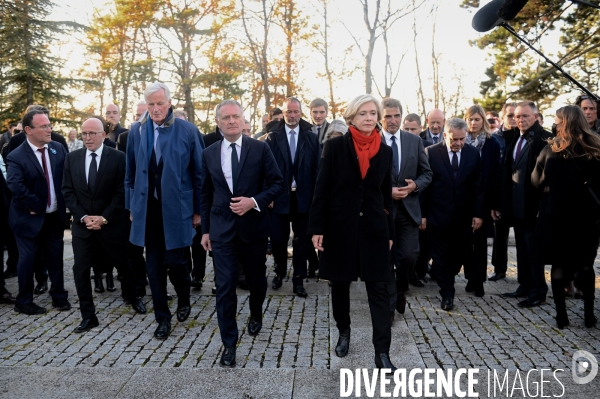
(292, 357)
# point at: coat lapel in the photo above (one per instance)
(404, 153)
(33, 158)
(283, 145)
(244, 154)
(104, 160)
(350, 144)
(80, 167)
(444, 153)
(219, 174)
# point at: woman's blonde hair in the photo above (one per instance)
(355, 104)
(478, 110)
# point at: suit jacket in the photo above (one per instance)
(27, 182)
(426, 135)
(118, 130)
(415, 166)
(353, 214)
(181, 148)
(490, 167)
(259, 177)
(322, 132)
(20, 138)
(450, 200)
(122, 141)
(304, 169)
(108, 197)
(212, 137)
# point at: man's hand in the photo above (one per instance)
(423, 225)
(241, 205)
(397, 194)
(404, 191)
(271, 205)
(318, 242)
(32, 212)
(196, 220)
(476, 223)
(205, 242)
(391, 244)
(93, 222)
(130, 216)
(496, 215)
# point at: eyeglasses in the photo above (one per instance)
(15, 131)
(510, 115)
(491, 120)
(43, 127)
(91, 134)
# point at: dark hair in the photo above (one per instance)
(574, 135)
(493, 113)
(105, 123)
(413, 118)
(28, 117)
(12, 124)
(35, 107)
(582, 97)
(392, 103)
(275, 111)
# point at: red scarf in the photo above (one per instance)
(366, 147)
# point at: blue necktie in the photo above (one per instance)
(435, 139)
(395, 158)
(234, 167)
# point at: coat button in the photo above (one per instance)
(361, 214)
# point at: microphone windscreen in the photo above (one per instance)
(509, 10)
(487, 17)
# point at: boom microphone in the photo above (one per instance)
(487, 17)
(509, 10)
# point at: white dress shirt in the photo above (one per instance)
(388, 140)
(226, 162)
(53, 203)
(88, 160)
(289, 138)
(450, 156)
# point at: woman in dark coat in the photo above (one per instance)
(351, 222)
(480, 137)
(567, 228)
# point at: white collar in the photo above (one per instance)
(98, 152)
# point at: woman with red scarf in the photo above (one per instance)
(351, 222)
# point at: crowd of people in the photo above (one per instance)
(372, 196)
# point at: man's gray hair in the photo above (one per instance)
(227, 102)
(336, 125)
(156, 87)
(392, 103)
(455, 123)
(291, 100)
(142, 102)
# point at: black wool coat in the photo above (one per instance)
(354, 215)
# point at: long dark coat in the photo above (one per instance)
(354, 215)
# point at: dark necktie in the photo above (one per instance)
(234, 167)
(92, 172)
(319, 132)
(395, 155)
(435, 139)
(43, 151)
(454, 163)
(519, 146)
(293, 145)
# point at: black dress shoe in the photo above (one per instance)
(169, 297)
(87, 325)
(10, 273)
(163, 330)
(214, 290)
(530, 303)
(516, 294)
(183, 313)
(401, 303)
(392, 317)
(479, 291)
(98, 285)
(228, 357)
(138, 306)
(497, 276)
(343, 344)
(61, 304)
(300, 291)
(562, 319)
(470, 287)
(589, 318)
(416, 282)
(40, 288)
(8, 298)
(447, 303)
(110, 283)
(30, 309)
(382, 361)
(243, 285)
(277, 282)
(196, 284)
(254, 326)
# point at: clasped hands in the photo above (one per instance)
(399, 193)
(93, 222)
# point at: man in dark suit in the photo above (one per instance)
(452, 205)
(410, 175)
(318, 113)
(239, 180)
(93, 187)
(297, 152)
(435, 126)
(37, 210)
(521, 203)
(113, 117)
(19, 139)
(213, 137)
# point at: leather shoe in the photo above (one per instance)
(61, 304)
(497, 276)
(183, 313)
(98, 285)
(196, 284)
(40, 288)
(138, 305)
(8, 298)
(470, 287)
(479, 291)
(516, 294)
(300, 291)
(110, 283)
(169, 297)
(86, 325)
(415, 281)
(392, 317)
(382, 361)
(228, 357)
(401, 303)
(530, 303)
(447, 303)
(30, 309)
(277, 282)
(254, 326)
(163, 330)
(214, 290)
(343, 344)
(562, 319)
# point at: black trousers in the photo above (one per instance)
(476, 263)
(450, 246)
(422, 265)
(530, 267)
(85, 250)
(198, 264)
(49, 242)
(563, 273)
(161, 262)
(136, 261)
(3, 234)
(227, 256)
(404, 253)
(378, 297)
(301, 242)
(500, 247)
